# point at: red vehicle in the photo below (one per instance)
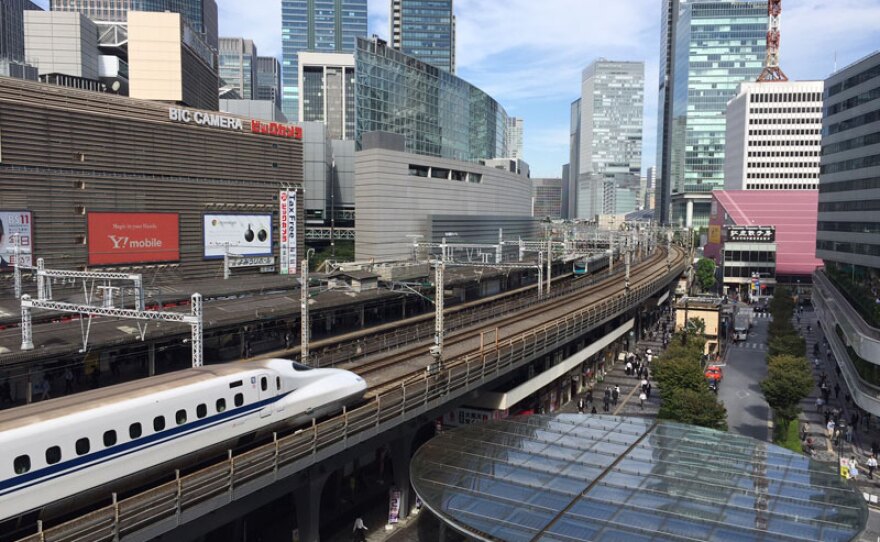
(714, 372)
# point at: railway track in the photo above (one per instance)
(466, 369)
(414, 359)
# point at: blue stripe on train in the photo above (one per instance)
(48, 473)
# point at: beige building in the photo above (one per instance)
(170, 62)
(707, 309)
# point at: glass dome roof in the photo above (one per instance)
(575, 477)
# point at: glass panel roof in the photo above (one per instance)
(571, 477)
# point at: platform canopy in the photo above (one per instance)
(577, 477)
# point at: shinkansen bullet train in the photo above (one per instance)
(56, 454)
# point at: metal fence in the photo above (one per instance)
(170, 500)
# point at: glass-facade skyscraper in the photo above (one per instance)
(425, 29)
(269, 80)
(12, 54)
(610, 138)
(708, 48)
(201, 15)
(329, 26)
(238, 67)
(438, 113)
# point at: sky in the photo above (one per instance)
(529, 54)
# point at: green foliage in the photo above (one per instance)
(705, 273)
(788, 344)
(856, 291)
(789, 381)
(696, 326)
(695, 407)
(344, 253)
(787, 435)
(685, 394)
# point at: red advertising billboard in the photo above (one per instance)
(129, 238)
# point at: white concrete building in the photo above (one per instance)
(774, 136)
(515, 138)
(327, 90)
(62, 42)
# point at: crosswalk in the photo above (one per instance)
(753, 346)
(765, 315)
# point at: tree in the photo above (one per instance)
(679, 372)
(694, 407)
(706, 273)
(786, 345)
(789, 381)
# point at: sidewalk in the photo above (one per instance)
(866, 430)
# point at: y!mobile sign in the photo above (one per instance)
(127, 238)
(287, 217)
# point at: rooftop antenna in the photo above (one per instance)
(772, 71)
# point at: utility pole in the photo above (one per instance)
(627, 258)
(540, 274)
(549, 262)
(304, 312)
(610, 250)
(669, 250)
(436, 350)
(16, 252)
(499, 249)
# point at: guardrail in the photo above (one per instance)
(397, 405)
(399, 338)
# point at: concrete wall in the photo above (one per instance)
(155, 56)
(62, 42)
(391, 203)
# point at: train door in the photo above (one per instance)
(264, 386)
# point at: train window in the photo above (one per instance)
(202, 410)
(180, 417)
(236, 384)
(239, 399)
(278, 383)
(82, 446)
(264, 383)
(22, 464)
(221, 405)
(53, 455)
(299, 366)
(109, 438)
(134, 430)
(158, 423)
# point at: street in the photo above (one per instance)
(746, 365)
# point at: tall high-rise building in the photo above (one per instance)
(200, 15)
(574, 149)
(269, 80)
(610, 150)
(12, 52)
(848, 232)
(515, 138)
(327, 92)
(774, 136)
(425, 29)
(237, 63)
(547, 198)
(708, 47)
(326, 26)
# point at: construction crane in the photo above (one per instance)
(772, 71)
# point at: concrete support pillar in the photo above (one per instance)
(689, 214)
(151, 359)
(308, 507)
(401, 453)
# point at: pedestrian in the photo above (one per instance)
(582, 404)
(805, 428)
(872, 465)
(648, 390)
(605, 404)
(629, 367)
(854, 419)
(837, 390)
(875, 448)
(853, 468)
(847, 399)
(359, 531)
(819, 404)
(46, 388)
(836, 437)
(642, 398)
(644, 385)
(829, 427)
(849, 434)
(589, 397)
(68, 380)
(615, 394)
(816, 363)
(593, 410)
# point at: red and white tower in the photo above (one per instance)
(772, 71)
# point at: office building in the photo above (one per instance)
(708, 47)
(237, 67)
(651, 189)
(326, 26)
(515, 138)
(425, 29)
(774, 136)
(122, 164)
(574, 150)
(398, 193)
(200, 15)
(566, 194)
(845, 292)
(13, 60)
(63, 43)
(610, 138)
(327, 88)
(269, 79)
(438, 113)
(167, 63)
(547, 198)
